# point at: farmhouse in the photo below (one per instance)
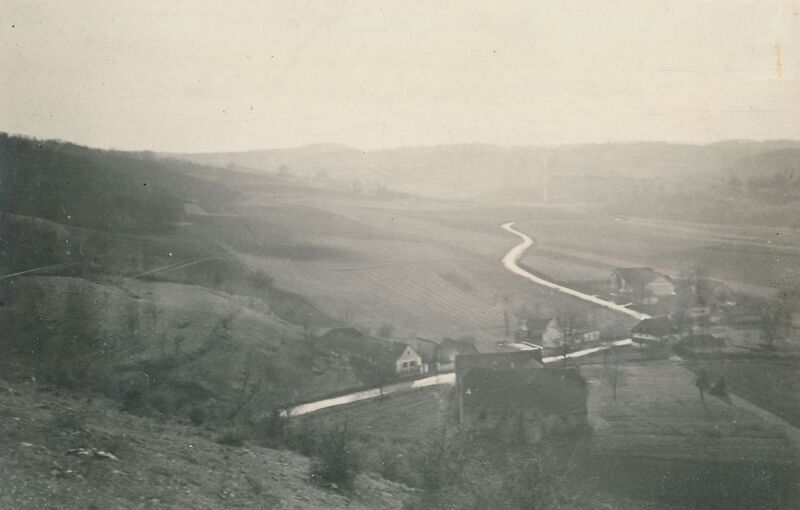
(743, 315)
(426, 348)
(699, 309)
(394, 357)
(551, 333)
(447, 351)
(654, 330)
(510, 360)
(405, 359)
(390, 357)
(641, 284)
(524, 404)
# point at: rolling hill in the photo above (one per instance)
(470, 169)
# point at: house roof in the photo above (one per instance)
(352, 342)
(703, 340)
(511, 359)
(699, 300)
(639, 276)
(458, 346)
(378, 351)
(537, 326)
(549, 390)
(426, 348)
(656, 326)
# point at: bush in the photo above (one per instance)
(303, 439)
(197, 416)
(271, 431)
(336, 464)
(68, 420)
(232, 437)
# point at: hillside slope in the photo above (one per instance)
(156, 464)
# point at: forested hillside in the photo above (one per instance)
(92, 188)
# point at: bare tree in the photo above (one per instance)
(506, 315)
(309, 339)
(373, 374)
(777, 318)
(703, 382)
(569, 324)
(611, 370)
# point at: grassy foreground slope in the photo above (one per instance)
(156, 464)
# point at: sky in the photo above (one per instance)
(203, 76)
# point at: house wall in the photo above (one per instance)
(617, 283)
(645, 338)
(552, 335)
(409, 362)
(524, 426)
(661, 287)
(521, 425)
(590, 336)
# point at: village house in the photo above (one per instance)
(641, 284)
(426, 348)
(656, 330)
(742, 316)
(699, 310)
(394, 357)
(447, 351)
(505, 360)
(550, 333)
(517, 398)
(405, 359)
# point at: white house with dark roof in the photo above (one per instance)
(641, 284)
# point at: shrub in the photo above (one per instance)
(197, 415)
(133, 401)
(68, 420)
(336, 464)
(232, 437)
(303, 439)
(271, 431)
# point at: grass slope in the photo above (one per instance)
(159, 464)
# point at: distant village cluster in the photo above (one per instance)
(507, 384)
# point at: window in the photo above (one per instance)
(405, 364)
(412, 364)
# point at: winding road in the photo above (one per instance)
(509, 262)
(514, 254)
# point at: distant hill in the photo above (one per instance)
(470, 169)
(98, 189)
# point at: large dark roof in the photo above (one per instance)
(638, 276)
(458, 346)
(657, 326)
(537, 326)
(549, 390)
(509, 360)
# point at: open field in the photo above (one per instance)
(769, 382)
(581, 243)
(748, 260)
(658, 429)
(371, 262)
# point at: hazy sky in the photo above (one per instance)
(203, 76)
